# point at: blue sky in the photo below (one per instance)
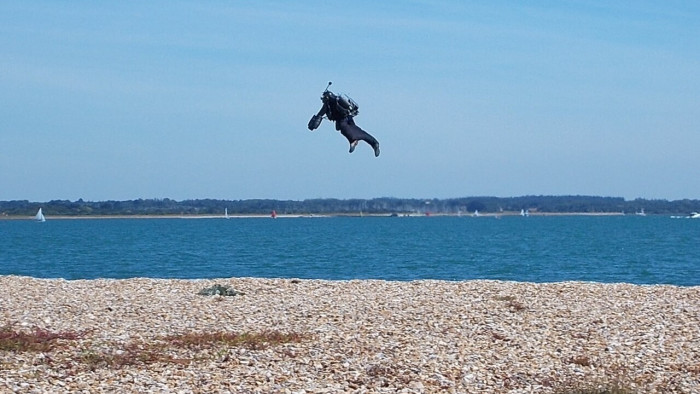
(167, 99)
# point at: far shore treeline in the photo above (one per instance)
(384, 205)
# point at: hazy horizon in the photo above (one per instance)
(356, 198)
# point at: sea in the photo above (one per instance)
(609, 249)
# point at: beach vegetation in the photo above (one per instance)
(220, 290)
(253, 341)
(164, 349)
(615, 381)
(512, 303)
(613, 387)
(35, 340)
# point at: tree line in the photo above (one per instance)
(384, 205)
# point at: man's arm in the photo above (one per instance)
(315, 120)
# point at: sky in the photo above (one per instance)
(211, 99)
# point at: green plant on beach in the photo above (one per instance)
(220, 290)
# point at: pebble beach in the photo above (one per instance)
(359, 336)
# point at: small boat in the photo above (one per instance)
(641, 213)
(40, 216)
(695, 215)
(226, 213)
(273, 214)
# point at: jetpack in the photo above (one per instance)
(338, 104)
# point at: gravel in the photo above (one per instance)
(362, 336)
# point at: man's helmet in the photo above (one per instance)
(327, 96)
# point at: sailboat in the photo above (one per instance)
(40, 216)
(226, 213)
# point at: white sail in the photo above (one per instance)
(226, 213)
(40, 216)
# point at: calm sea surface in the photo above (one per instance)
(642, 250)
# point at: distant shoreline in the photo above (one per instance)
(283, 216)
(325, 207)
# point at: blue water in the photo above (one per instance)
(642, 250)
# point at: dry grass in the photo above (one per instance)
(254, 341)
(36, 340)
(158, 350)
(583, 361)
(597, 388)
(512, 304)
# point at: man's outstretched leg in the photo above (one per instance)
(371, 141)
(354, 134)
